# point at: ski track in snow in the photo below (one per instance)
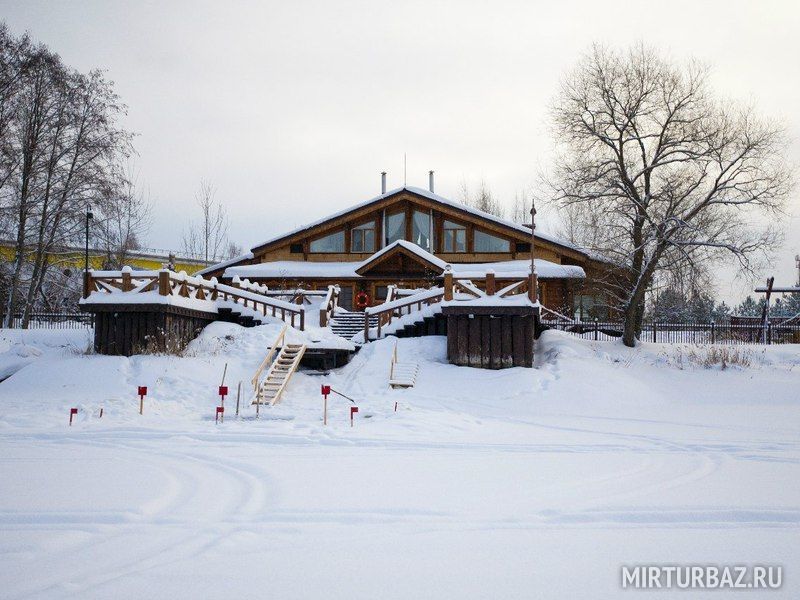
(472, 458)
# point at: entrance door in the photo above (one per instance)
(346, 297)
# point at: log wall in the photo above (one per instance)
(490, 337)
(147, 330)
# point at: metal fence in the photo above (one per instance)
(54, 320)
(686, 333)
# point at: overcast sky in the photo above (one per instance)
(292, 109)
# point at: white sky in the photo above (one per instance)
(292, 109)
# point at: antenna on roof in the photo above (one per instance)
(383, 182)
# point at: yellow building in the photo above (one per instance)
(72, 257)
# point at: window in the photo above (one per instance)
(395, 227)
(523, 247)
(381, 291)
(455, 237)
(363, 238)
(329, 243)
(421, 229)
(296, 248)
(588, 307)
(485, 242)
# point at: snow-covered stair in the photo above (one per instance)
(281, 370)
(347, 324)
(402, 374)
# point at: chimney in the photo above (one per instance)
(383, 182)
(430, 181)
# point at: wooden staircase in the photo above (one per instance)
(347, 324)
(402, 374)
(269, 389)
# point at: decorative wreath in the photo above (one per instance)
(362, 299)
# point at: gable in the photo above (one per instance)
(401, 258)
(407, 199)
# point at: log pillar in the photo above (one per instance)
(491, 285)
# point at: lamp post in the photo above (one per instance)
(797, 264)
(89, 216)
(533, 284)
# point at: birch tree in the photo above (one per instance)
(661, 173)
(60, 146)
(207, 237)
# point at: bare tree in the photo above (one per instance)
(521, 208)
(60, 141)
(660, 173)
(233, 250)
(482, 199)
(123, 220)
(207, 237)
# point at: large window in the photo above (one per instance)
(454, 237)
(329, 243)
(363, 238)
(589, 307)
(395, 227)
(421, 229)
(485, 242)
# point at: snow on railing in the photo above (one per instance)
(168, 283)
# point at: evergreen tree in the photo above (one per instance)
(721, 312)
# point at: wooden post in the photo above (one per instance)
(163, 283)
(533, 284)
(303, 320)
(366, 326)
(596, 329)
(127, 286)
(87, 283)
(713, 333)
(491, 286)
(448, 284)
(238, 396)
(323, 317)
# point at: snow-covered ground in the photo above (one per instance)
(522, 483)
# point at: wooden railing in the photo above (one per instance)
(386, 311)
(268, 358)
(168, 283)
(329, 304)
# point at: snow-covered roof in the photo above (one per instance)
(508, 269)
(518, 269)
(293, 269)
(225, 263)
(411, 247)
(430, 196)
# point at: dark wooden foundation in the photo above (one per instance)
(145, 328)
(490, 337)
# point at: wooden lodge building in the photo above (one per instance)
(407, 237)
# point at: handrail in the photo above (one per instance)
(388, 308)
(543, 308)
(169, 283)
(329, 304)
(268, 357)
(394, 361)
(467, 286)
(510, 288)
